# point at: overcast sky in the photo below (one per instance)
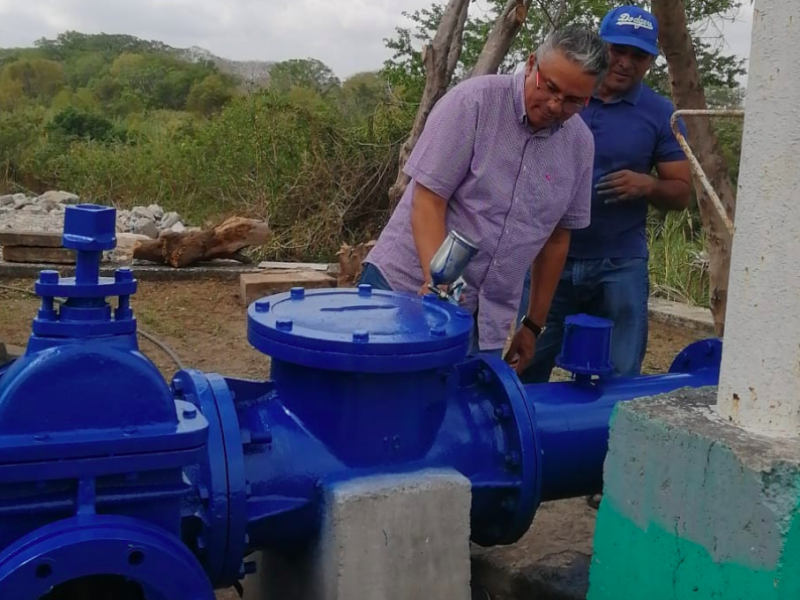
(345, 34)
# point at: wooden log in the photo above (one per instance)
(39, 239)
(22, 254)
(190, 247)
(253, 286)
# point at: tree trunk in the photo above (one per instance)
(440, 59)
(503, 32)
(189, 247)
(688, 93)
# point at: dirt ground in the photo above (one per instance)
(205, 324)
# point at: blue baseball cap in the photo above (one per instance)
(631, 26)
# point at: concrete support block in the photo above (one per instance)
(695, 507)
(388, 537)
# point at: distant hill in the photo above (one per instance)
(252, 72)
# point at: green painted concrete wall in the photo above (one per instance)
(656, 564)
(694, 508)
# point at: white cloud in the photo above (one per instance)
(345, 34)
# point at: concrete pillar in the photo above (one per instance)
(760, 380)
(387, 537)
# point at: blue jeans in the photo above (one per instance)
(372, 276)
(614, 288)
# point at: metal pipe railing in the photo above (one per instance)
(695, 164)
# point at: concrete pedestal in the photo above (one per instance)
(695, 507)
(389, 537)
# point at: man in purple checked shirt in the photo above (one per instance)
(503, 160)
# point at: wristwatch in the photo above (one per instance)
(536, 329)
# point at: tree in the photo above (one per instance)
(308, 73)
(37, 78)
(209, 95)
(688, 93)
(440, 58)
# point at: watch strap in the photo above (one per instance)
(536, 329)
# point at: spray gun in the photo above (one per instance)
(448, 264)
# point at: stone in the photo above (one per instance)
(7, 200)
(178, 227)
(34, 209)
(146, 227)
(143, 213)
(385, 537)
(59, 197)
(156, 211)
(695, 507)
(22, 202)
(169, 220)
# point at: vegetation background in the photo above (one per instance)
(124, 121)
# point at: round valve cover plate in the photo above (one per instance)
(359, 329)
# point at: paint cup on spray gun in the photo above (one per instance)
(449, 263)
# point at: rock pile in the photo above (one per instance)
(46, 213)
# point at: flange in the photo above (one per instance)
(360, 330)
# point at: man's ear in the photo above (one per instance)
(529, 63)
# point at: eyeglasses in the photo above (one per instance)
(571, 105)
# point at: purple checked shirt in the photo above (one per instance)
(507, 189)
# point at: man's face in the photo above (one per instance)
(555, 89)
(627, 67)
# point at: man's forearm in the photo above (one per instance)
(428, 225)
(670, 194)
(546, 272)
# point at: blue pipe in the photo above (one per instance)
(101, 458)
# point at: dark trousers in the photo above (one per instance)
(617, 289)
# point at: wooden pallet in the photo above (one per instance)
(35, 247)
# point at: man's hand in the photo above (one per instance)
(625, 185)
(523, 347)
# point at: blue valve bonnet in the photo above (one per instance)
(89, 229)
(586, 349)
(362, 330)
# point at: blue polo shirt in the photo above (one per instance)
(633, 133)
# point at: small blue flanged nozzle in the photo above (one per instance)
(586, 349)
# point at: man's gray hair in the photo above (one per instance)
(579, 45)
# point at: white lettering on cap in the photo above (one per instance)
(636, 23)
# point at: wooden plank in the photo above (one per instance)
(21, 254)
(253, 286)
(293, 266)
(39, 239)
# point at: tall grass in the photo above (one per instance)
(678, 261)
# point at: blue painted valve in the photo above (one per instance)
(113, 481)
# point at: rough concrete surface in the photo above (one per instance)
(551, 562)
(695, 506)
(760, 375)
(678, 314)
(387, 537)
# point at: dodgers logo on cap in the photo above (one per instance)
(631, 26)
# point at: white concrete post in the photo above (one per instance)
(760, 380)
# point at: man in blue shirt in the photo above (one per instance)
(605, 273)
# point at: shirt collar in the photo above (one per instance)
(631, 96)
(519, 107)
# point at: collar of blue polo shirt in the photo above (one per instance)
(448, 264)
